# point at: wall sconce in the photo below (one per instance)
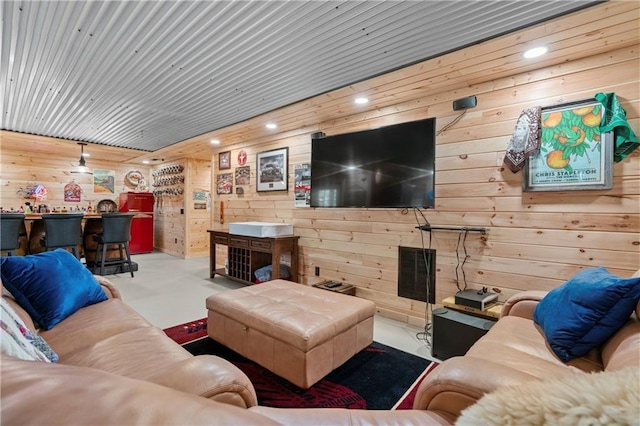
(82, 168)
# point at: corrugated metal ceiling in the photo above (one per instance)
(145, 75)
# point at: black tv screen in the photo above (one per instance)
(389, 167)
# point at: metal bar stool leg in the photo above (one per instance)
(104, 255)
(95, 259)
(122, 258)
(126, 248)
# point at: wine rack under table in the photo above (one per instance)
(247, 254)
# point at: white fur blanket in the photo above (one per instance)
(604, 398)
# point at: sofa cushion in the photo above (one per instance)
(136, 353)
(516, 343)
(93, 324)
(17, 340)
(50, 286)
(585, 311)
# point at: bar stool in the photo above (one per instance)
(10, 232)
(62, 230)
(116, 230)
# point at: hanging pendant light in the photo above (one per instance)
(82, 168)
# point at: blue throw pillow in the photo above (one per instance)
(50, 286)
(585, 311)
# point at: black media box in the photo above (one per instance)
(476, 299)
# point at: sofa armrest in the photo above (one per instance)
(522, 304)
(210, 377)
(459, 382)
(39, 393)
(352, 417)
(109, 288)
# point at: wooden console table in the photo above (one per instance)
(246, 254)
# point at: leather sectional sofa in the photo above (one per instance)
(515, 352)
(116, 368)
(113, 338)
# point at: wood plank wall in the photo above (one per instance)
(24, 168)
(179, 228)
(534, 240)
(169, 225)
(198, 220)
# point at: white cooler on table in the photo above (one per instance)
(260, 229)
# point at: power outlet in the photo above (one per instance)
(317, 271)
(176, 241)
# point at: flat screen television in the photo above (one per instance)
(388, 167)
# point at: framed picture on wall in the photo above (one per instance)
(271, 170)
(243, 175)
(302, 185)
(224, 183)
(573, 153)
(104, 181)
(224, 160)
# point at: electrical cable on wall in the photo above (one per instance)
(452, 123)
(460, 265)
(426, 334)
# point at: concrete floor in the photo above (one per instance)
(169, 290)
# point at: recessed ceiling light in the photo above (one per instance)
(361, 100)
(271, 126)
(215, 142)
(535, 52)
(145, 161)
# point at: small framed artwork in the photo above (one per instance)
(224, 183)
(573, 153)
(302, 185)
(104, 181)
(243, 175)
(272, 173)
(224, 160)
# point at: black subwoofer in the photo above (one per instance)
(455, 332)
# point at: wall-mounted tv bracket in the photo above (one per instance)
(430, 228)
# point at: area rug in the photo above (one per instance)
(188, 332)
(377, 378)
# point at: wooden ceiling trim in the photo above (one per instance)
(68, 148)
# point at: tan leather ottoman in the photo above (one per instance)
(298, 332)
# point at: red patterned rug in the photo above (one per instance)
(377, 378)
(188, 332)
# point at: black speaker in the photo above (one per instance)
(464, 103)
(455, 332)
(415, 275)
